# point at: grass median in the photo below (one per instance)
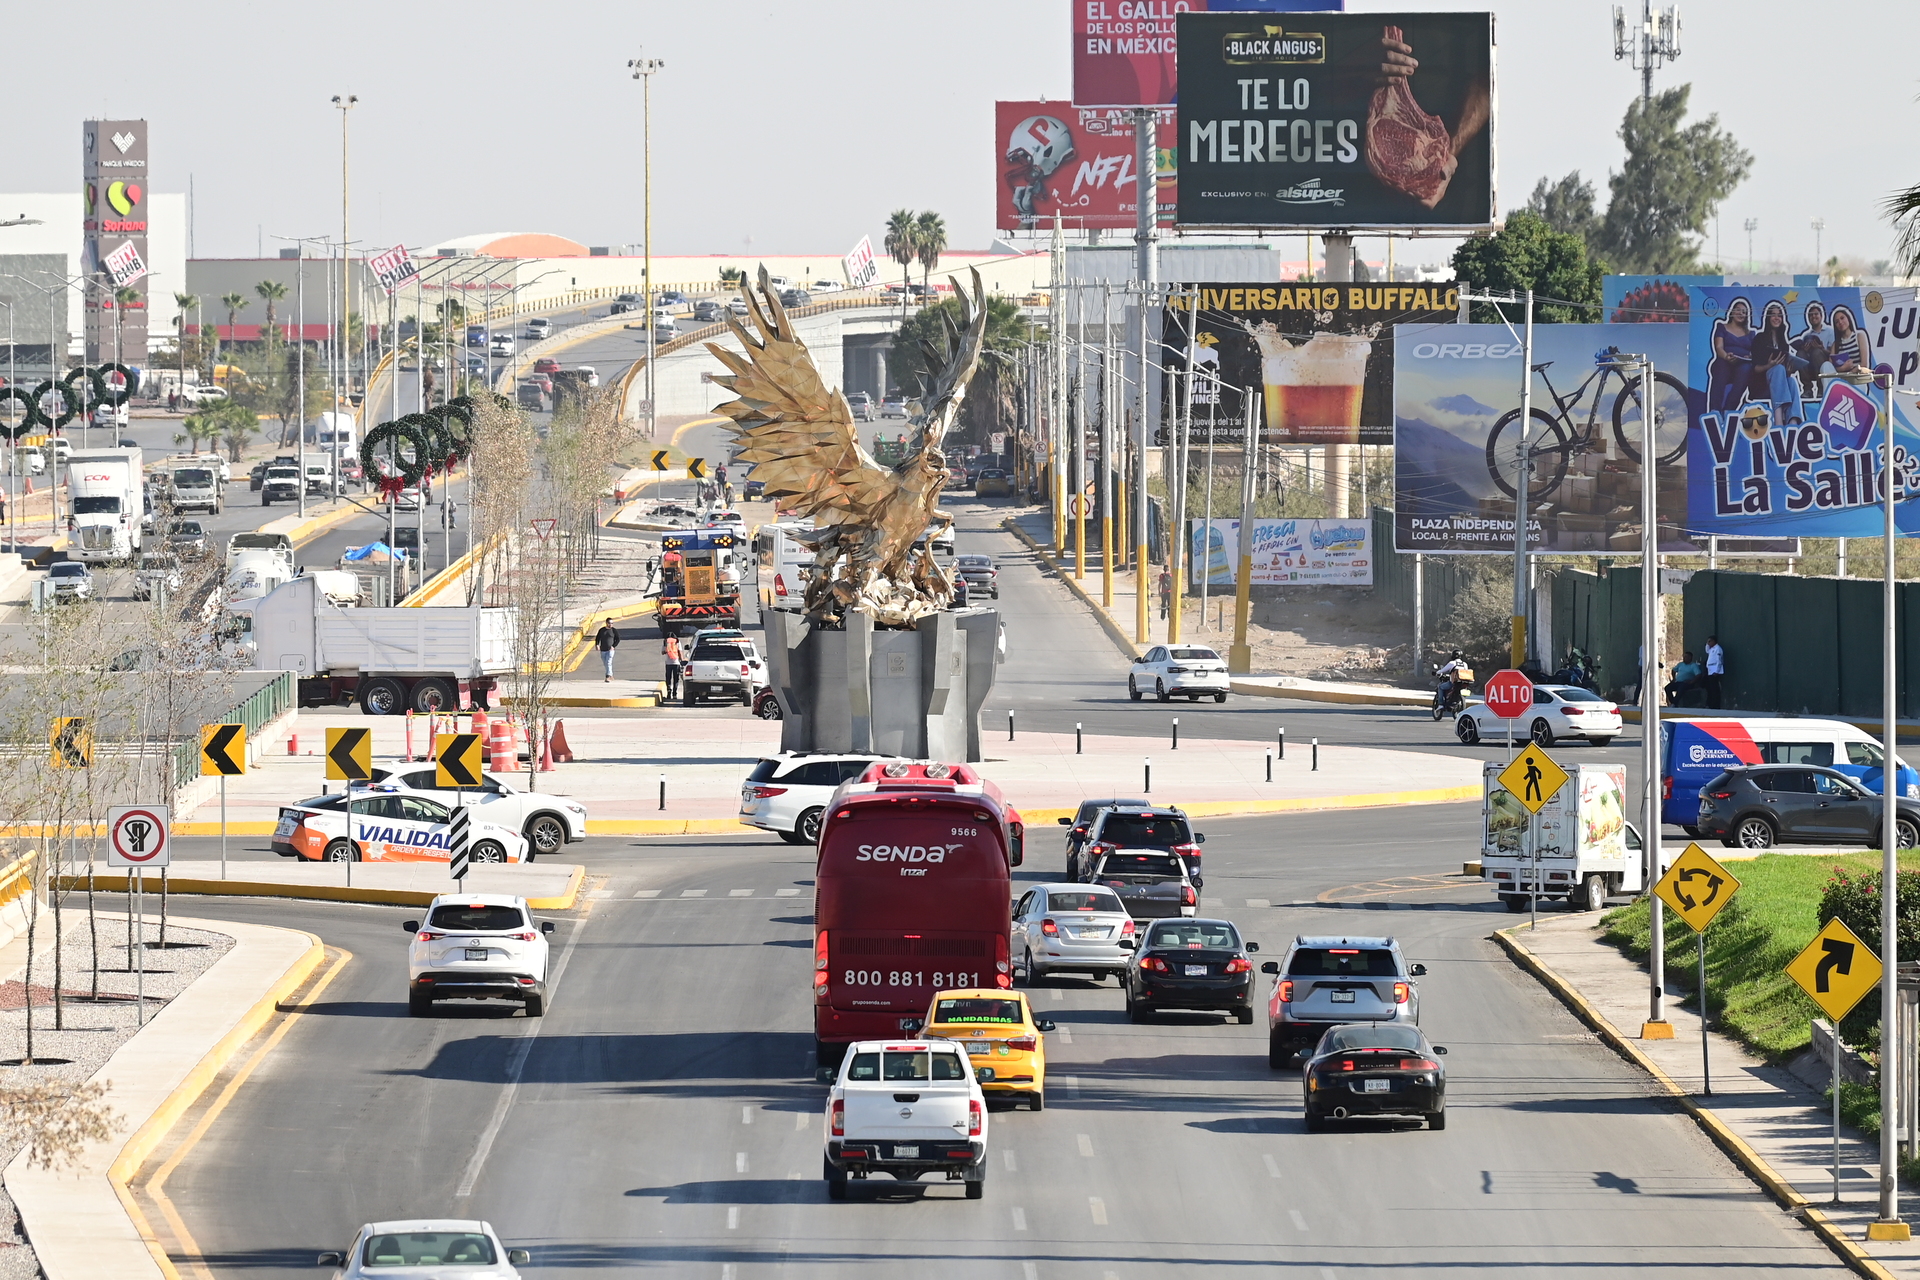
(1769, 921)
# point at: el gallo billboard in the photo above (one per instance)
(1123, 49)
(1320, 354)
(1079, 162)
(1336, 120)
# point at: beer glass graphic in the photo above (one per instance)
(1313, 389)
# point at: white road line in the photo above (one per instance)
(786, 893)
(800, 1121)
(726, 1271)
(739, 893)
(1328, 1273)
(693, 893)
(516, 1063)
(1029, 1271)
(600, 893)
(1019, 1219)
(746, 1115)
(1298, 1221)
(1059, 996)
(1098, 1208)
(1065, 1034)
(1086, 1145)
(1006, 1153)
(1273, 1166)
(1258, 902)
(1073, 1085)
(733, 1217)
(1109, 1275)
(739, 1162)
(647, 893)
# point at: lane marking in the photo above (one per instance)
(1273, 1166)
(1065, 1034)
(1007, 1155)
(155, 1186)
(1258, 902)
(1086, 1145)
(1298, 1221)
(599, 893)
(726, 1271)
(516, 1066)
(1030, 1271)
(1328, 1273)
(1019, 1219)
(739, 893)
(786, 893)
(1073, 1085)
(746, 1115)
(1059, 996)
(693, 893)
(739, 1162)
(1098, 1208)
(647, 893)
(733, 1217)
(799, 1121)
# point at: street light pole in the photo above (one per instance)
(345, 104)
(643, 69)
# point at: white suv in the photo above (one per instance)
(788, 793)
(477, 946)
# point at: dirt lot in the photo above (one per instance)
(1318, 634)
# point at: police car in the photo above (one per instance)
(390, 824)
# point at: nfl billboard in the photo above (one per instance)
(1079, 162)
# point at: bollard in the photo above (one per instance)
(1009, 726)
(663, 791)
(1146, 785)
(1076, 737)
(1176, 733)
(1283, 744)
(293, 744)
(1269, 764)
(409, 755)
(1316, 755)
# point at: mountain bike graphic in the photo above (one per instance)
(1556, 437)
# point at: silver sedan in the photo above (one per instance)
(1070, 928)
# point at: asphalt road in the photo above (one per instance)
(663, 1117)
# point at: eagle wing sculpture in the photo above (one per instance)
(799, 437)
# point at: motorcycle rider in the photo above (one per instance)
(1448, 691)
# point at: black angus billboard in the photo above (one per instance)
(1339, 120)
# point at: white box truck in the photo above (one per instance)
(108, 490)
(1586, 849)
(388, 660)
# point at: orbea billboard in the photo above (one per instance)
(1123, 50)
(1078, 162)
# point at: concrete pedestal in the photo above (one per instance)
(907, 693)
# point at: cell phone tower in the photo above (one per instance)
(1654, 42)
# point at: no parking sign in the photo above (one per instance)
(137, 836)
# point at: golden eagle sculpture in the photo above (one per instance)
(800, 438)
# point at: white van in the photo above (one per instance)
(784, 565)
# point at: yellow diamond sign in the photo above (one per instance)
(1696, 887)
(1836, 969)
(1533, 778)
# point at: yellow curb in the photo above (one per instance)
(452, 573)
(669, 827)
(1128, 649)
(317, 892)
(638, 701)
(1725, 1138)
(142, 1144)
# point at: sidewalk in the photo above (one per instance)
(620, 762)
(1780, 1129)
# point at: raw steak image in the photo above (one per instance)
(1408, 149)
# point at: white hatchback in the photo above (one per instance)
(1558, 711)
(446, 1248)
(1182, 670)
(788, 793)
(477, 946)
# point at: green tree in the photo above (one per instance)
(988, 405)
(1675, 176)
(271, 292)
(929, 242)
(230, 423)
(181, 302)
(235, 303)
(1567, 206)
(1529, 254)
(903, 240)
(1903, 208)
(733, 277)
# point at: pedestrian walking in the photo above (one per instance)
(1716, 671)
(672, 651)
(606, 640)
(1166, 593)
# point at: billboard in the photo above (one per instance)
(1789, 435)
(1286, 552)
(1078, 162)
(393, 268)
(859, 265)
(116, 186)
(1456, 411)
(1123, 49)
(1337, 120)
(1321, 354)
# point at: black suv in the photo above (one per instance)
(1759, 806)
(1138, 826)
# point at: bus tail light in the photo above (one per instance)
(820, 950)
(839, 1118)
(1400, 992)
(1049, 928)
(976, 1118)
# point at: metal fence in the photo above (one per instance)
(271, 699)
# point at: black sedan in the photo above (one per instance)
(1375, 1069)
(1190, 964)
(1152, 884)
(1759, 806)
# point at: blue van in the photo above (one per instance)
(1694, 752)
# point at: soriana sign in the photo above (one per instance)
(1123, 49)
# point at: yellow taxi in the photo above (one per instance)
(1004, 1041)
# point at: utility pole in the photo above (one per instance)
(643, 69)
(1146, 238)
(345, 104)
(1655, 41)
(1522, 475)
(1057, 388)
(1752, 225)
(1819, 262)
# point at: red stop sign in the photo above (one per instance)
(1509, 694)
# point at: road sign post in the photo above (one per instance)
(350, 758)
(1837, 970)
(457, 837)
(1697, 888)
(223, 752)
(138, 838)
(1533, 779)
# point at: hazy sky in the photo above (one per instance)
(797, 127)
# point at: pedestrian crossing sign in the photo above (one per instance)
(1533, 778)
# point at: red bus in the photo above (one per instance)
(912, 895)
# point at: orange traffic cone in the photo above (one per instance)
(557, 749)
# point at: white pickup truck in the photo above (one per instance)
(906, 1108)
(727, 668)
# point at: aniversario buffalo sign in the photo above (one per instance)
(1336, 120)
(1321, 354)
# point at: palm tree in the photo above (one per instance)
(930, 241)
(235, 303)
(1904, 207)
(181, 301)
(270, 291)
(903, 242)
